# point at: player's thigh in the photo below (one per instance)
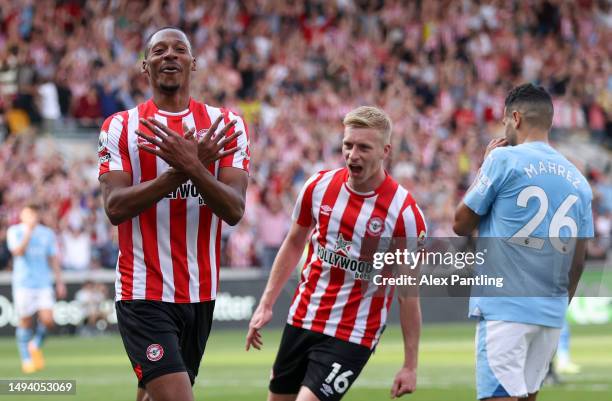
(289, 368)
(306, 394)
(333, 367)
(501, 354)
(539, 355)
(198, 318)
(150, 336)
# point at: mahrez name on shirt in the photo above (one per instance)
(551, 168)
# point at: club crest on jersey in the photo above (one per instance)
(155, 352)
(342, 245)
(484, 183)
(102, 141)
(374, 226)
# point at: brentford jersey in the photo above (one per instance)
(336, 294)
(169, 252)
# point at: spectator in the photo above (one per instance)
(272, 226)
(76, 248)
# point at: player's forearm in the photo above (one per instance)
(221, 198)
(575, 274)
(57, 269)
(125, 203)
(410, 320)
(282, 268)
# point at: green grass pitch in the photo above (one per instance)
(446, 367)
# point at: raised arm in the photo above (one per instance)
(224, 196)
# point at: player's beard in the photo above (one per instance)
(169, 88)
(511, 136)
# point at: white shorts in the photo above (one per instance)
(28, 301)
(512, 359)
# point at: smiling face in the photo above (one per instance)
(364, 150)
(168, 60)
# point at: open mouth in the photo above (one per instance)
(170, 69)
(355, 169)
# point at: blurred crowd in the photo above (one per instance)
(441, 69)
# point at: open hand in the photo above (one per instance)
(178, 151)
(210, 147)
(261, 317)
(495, 143)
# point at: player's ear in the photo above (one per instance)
(144, 67)
(516, 119)
(387, 150)
(193, 64)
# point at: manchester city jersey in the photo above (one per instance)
(32, 270)
(533, 204)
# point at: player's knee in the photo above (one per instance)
(47, 322)
(26, 322)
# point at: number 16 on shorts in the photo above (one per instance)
(339, 382)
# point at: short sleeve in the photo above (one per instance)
(302, 211)
(113, 153)
(586, 229)
(493, 173)
(413, 227)
(242, 157)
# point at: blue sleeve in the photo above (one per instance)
(492, 174)
(586, 225)
(12, 238)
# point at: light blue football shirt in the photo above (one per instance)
(32, 270)
(531, 200)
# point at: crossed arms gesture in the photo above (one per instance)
(184, 151)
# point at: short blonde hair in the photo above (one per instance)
(369, 117)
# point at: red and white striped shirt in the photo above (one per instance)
(169, 252)
(336, 295)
